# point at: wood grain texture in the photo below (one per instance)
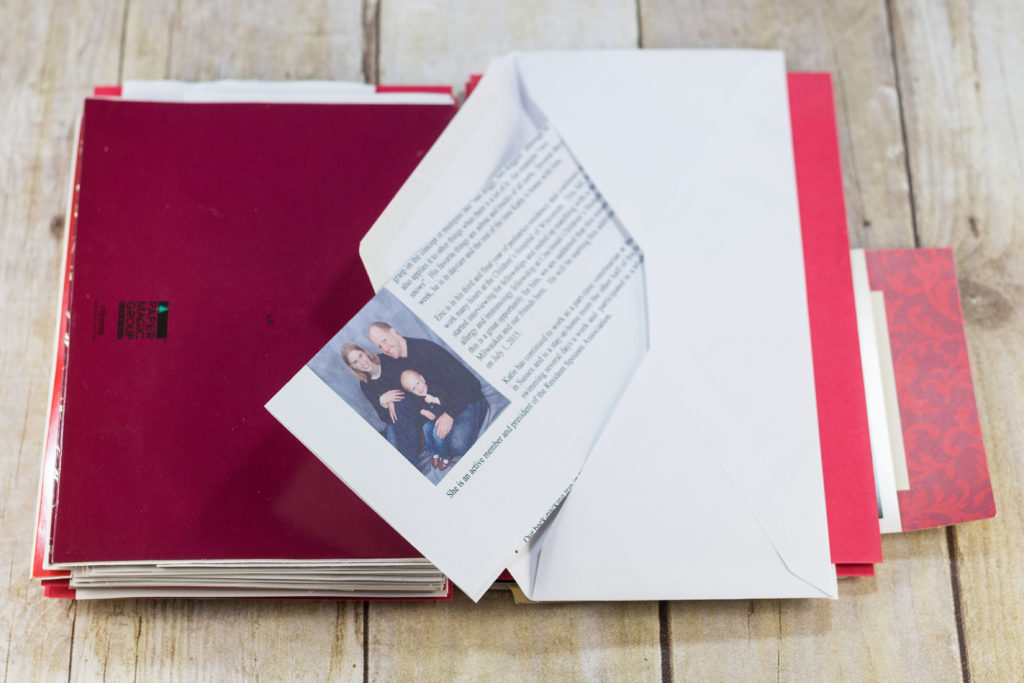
(908, 601)
(964, 106)
(957, 85)
(217, 640)
(851, 41)
(428, 41)
(49, 55)
(897, 626)
(720, 640)
(196, 40)
(500, 640)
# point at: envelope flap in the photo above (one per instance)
(638, 121)
(490, 128)
(697, 535)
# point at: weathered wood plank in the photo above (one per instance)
(217, 640)
(498, 639)
(50, 53)
(962, 86)
(888, 628)
(961, 93)
(911, 596)
(422, 41)
(194, 40)
(897, 626)
(725, 640)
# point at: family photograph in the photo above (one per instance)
(409, 385)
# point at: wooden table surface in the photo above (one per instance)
(929, 96)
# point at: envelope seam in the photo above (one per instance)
(746, 503)
(685, 179)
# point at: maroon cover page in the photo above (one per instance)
(216, 251)
(946, 464)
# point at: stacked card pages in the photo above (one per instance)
(210, 248)
(619, 343)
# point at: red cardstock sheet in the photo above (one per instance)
(946, 464)
(842, 413)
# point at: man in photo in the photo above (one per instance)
(464, 411)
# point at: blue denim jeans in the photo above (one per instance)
(435, 444)
(405, 433)
(465, 428)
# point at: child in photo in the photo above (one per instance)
(431, 407)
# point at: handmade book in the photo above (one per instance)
(233, 260)
(196, 268)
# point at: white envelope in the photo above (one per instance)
(706, 481)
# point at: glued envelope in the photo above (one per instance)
(706, 481)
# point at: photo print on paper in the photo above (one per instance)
(400, 377)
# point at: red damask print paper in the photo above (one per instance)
(949, 479)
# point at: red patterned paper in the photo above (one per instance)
(949, 480)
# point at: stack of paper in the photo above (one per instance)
(619, 345)
(211, 248)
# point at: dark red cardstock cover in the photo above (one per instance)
(946, 464)
(246, 220)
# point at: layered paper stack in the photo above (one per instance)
(211, 247)
(630, 353)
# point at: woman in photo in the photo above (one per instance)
(379, 380)
(375, 385)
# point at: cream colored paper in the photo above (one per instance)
(892, 404)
